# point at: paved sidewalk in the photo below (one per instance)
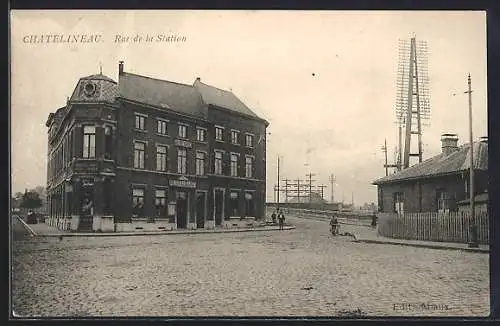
(44, 230)
(372, 237)
(368, 234)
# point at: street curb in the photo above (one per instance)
(430, 246)
(125, 234)
(26, 226)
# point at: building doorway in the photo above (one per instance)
(87, 210)
(249, 204)
(219, 205)
(200, 209)
(181, 209)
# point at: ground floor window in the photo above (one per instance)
(249, 204)
(233, 203)
(137, 202)
(160, 203)
(399, 203)
(87, 203)
(443, 201)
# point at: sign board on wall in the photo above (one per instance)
(183, 143)
(182, 182)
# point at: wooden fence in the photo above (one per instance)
(442, 227)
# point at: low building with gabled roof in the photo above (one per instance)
(438, 183)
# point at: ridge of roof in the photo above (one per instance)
(441, 164)
(157, 79)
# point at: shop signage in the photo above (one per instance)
(182, 143)
(182, 182)
(82, 166)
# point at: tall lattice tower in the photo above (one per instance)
(413, 99)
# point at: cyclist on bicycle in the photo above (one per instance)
(334, 224)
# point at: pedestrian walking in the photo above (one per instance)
(281, 219)
(273, 216)
(374, 220)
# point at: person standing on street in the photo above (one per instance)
(281, 219)
(273, 216)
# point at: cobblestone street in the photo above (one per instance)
(302, 272)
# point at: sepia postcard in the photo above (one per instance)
(248, 164)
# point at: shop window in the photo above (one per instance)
(160, 203)
(233, 198)
(137, 202)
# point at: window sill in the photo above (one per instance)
(144, 131)
(162, 135)
(220, 141)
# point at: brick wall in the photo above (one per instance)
(421, 195)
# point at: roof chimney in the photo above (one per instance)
(484, 139)
(449, 143)
(120, 67)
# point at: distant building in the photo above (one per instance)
(144, 148)
(438, 184)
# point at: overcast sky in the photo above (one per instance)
(326, 81)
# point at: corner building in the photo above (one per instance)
(144, 150)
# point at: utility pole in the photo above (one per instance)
(298, 190)
(310, 175)
(286, 190)
(386, 165)
(278, 190)
(384, 149)
(473, 241)
(321, 187)
(332, 182)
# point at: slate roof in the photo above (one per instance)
(178, 97)
(221, 98)
(106, 89)
(442, 164)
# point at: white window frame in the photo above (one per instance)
(89, 150)
(201, 131)
(218, 169)
(181, 161)
(234, 172)
(221, 129)
(200, 163)
(235, 135)
(142, 118)
(161, 165)
(184, 127)
(160, 123)
(249, 136)
(249, 171)
(399, 203)
(137, 159)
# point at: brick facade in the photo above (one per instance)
(421, 195)
(110, 177)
